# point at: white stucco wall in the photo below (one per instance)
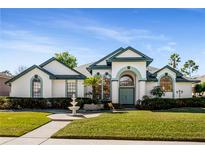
(58, 88)
(115, 91)
(170, 73)
(186, 87)
(101, 71)
(80, 88)
(87, 90)
(149, 87)
(129, 53)
(142, 89)
(21, 87)
(59, 69)
(140, 66)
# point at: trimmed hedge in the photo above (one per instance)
(40, 103)
(165, 103)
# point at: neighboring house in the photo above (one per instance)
(201, 78)
(4, 89)
(126, 75)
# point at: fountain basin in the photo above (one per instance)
(74, 108)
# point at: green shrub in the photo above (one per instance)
(157, 92)
(4, 103)
(165, 103)
(40, 103)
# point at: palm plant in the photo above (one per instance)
(174, 60)
(93, 82)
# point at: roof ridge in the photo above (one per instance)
(169, 67)
(115, 51)
(52, 59)
(25, 71)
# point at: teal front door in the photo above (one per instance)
(126, 95)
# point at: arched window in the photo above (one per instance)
(126, 80)
(36, 87)
(107, 87)
(166, 84)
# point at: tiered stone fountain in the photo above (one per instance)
(74, 108)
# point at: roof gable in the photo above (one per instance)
(28, 70)
(178, 74)
(75, 75)
(57, 67)
(130, 54)
(121, 54)
(132, 51)
(100, 62)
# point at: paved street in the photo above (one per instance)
(50, 141)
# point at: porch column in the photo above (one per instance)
(142, 89)
(115, 91)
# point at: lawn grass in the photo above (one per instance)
(18, 123)
(139, 125)
(185, 109)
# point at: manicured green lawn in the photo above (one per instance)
(19, 123)
(140, 125)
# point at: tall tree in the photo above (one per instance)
(189, 67)
(67, 59)
(174, 60)
(20, 69)
(93, 82)
(7, 72)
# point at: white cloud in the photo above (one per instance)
(172, 43)
(104, 31)
(21, 40)
(29, 42)
(166, 49)
(124, 35)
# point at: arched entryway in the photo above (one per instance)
(127, 88)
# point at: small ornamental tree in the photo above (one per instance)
(199, 89)
(93, 82)
(203, 88)
(157, 92)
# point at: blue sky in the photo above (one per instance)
(31, 36)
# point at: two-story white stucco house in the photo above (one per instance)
(126, 78)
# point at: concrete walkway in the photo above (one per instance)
(37, 136)
(43, 133)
